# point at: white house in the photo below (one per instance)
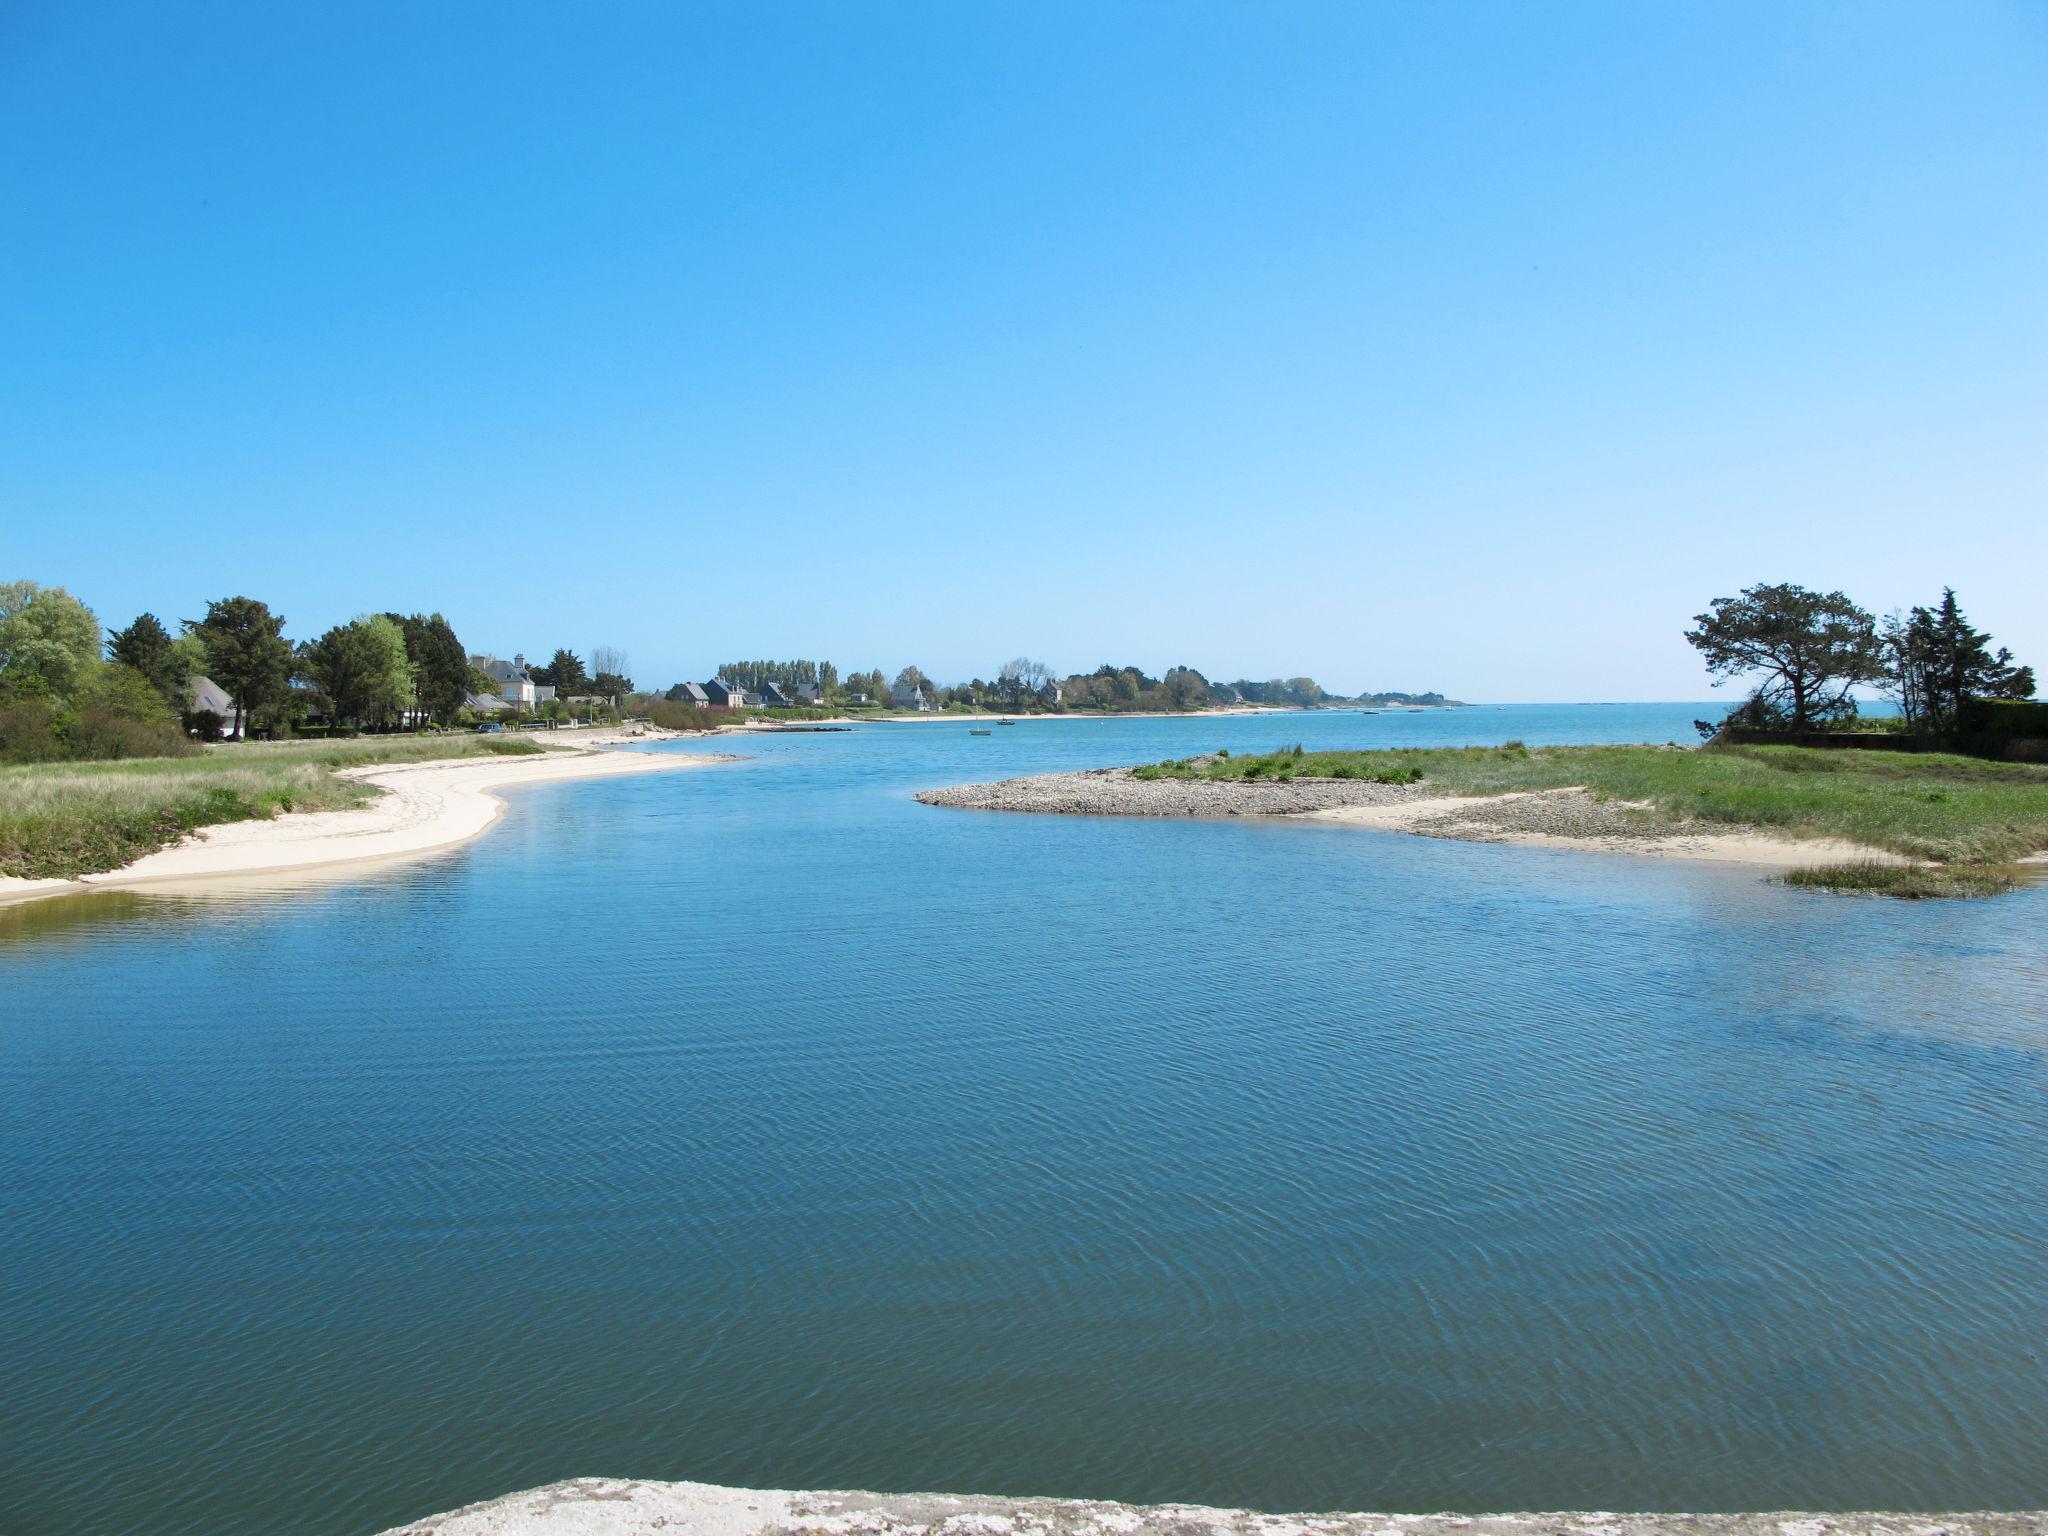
(919, 700)
(205, 693)
(514, 682)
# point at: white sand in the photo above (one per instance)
(425, 806)
(1712, 847)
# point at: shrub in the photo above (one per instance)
(1911, 882)
(29, 731)
(670, 715)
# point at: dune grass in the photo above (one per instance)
(1926, 806)
(67, 819)
(1914, 882)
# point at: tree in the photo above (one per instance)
(828, 679)
(610, 672)
(246, 653)
(49, 640)
(148, 647)
(1021, 678)
(1936, 659)
(338, 666)
(1812, 649)
(440, 667)
(1186, 687)
(565, 671)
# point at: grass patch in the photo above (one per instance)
(67, 819)
(1914, 882)
(1925, 805)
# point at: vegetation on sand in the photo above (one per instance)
(1913, 882)
(76, 818)
(1930, 806)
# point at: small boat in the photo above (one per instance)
(1006, 722)
(978, 732)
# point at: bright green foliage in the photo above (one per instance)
(49, 640)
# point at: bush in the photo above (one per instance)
(2004, 719)
(100, 733)
(670, 715)
(206, 724)
(1910, 882)
(29, 731)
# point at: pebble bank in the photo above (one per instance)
(618, 1507)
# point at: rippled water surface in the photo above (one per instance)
(758, 1125)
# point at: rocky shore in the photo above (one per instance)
(618, 1507)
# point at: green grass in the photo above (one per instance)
(66, 819)
(1929, 806)
(1915, 882)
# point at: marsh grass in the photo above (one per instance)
(1916, 882)
(1930, 806)
(65, 819)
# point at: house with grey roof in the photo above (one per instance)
(514, 682)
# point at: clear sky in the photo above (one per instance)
(1406, 345)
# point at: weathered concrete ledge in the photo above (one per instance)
(602, 1506)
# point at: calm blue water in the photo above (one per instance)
(758, 1125)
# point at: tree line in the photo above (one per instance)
(70, 689)
(1812, 650)
(1023, 685)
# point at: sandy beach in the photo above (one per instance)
(424, 807)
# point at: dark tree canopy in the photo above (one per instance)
(1810, 648)
(246, 653)
(441, 678)
(565, 673)
(1938, 659)
(148, 647)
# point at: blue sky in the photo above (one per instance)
(1470, 347)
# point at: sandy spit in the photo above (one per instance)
(424, 807)
(608, 1506)
(1557, 818)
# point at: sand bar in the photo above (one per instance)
(1554, 818)
(608, 1506)
(424, 807)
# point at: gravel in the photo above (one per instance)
(1114, 792)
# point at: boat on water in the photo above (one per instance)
(1006, 722)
